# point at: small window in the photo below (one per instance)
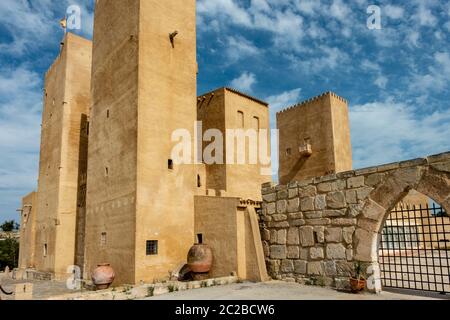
(288, 151)
(107, 113)
(200, 238)
(240, 119)
(170, 164)
(103, 239)
(45, 250)
(152, 247)
(106, 171)
(199, 181)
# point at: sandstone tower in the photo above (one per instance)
(66, 106)
(314, 138)
(225, 109)
(140, 205)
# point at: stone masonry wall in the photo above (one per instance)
(313, 231)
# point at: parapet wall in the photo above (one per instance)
(316, 229)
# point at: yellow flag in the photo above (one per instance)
(63, 23)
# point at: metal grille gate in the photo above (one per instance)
(414, 249)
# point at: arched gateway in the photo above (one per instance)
(314, 231)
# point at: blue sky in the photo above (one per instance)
(283, 51)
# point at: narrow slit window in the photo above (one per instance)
(288, 151)
(256, 124)
(45, 250)
(199, 181)
(240, 119)
(170, 164)
(106, 171)
(151, 247)
(200, 238)
(103, 239)
(107, 113)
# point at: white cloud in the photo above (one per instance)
(381, 82)
(437, 77)
(424, 16)
(393, 12)
(284, 99)
(238, 47)
(244, 82)
(388, 131)
(20, 118)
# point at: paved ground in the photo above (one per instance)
(41, 289)
(277, 290)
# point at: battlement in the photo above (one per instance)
(312, 100)
(202, 97)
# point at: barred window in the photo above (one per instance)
(152, 247)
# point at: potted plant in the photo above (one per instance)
(358, 280)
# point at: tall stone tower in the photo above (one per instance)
(314, 138)
(66, 107)
(226, 109)
(140, 205)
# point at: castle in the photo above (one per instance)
(109, 189)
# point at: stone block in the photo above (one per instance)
(293, 236)
(307, 236)
(316, 253)
(435, 184)
(354, 210)
(350, 196)
(293, 252)
(320, 202)
(304, 253)
(266, 249)
(336, 251)
(295, 215)
(273, 267)
(292, 192)
(281, 206)
(308, 191)
(313, 215)
(347, 234)
(319, 222)
(374, 179)
(278, 252)
(365, 245)
(343, 222)
(363, 193)
(297, 223)
(287, 266)
(319, 232)
(265, 234)
(282, 224)
(373, 211)
(270, 197)
(282, 194)
(355, 182)
(315, 268)
(300, 266)
(281, 236)
(324, 187)
(293, 205)
(279, 217)
(333, 213)
(333, 235)
(271, 208)
(336, 200)
(349, 253)
(307, 204)
(330, 268)
(273, 236)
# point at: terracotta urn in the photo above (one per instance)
(357, 285)
(103, 276)
(200, 258)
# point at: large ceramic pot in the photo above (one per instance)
(200, 258)
(103, 276)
